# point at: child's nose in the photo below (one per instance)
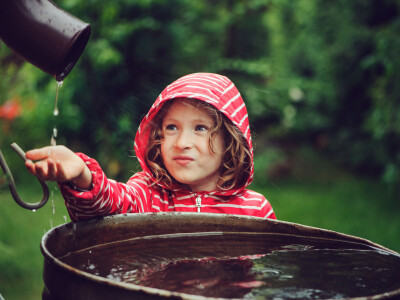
(184, 140)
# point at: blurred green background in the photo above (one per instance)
(320, 80)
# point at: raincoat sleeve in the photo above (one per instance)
(106, 196)
(266, 210)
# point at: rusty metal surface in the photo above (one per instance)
(65, 282)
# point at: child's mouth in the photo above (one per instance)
(183, 160)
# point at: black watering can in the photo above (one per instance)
(44, 35)
(50, 39)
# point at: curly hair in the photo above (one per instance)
(236, 158)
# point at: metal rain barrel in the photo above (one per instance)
(198, 242)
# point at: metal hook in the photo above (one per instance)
(11, 182)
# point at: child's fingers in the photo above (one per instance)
(51, 170)
(38, 154)
(41, 170)
(30, 166)
(61, 171)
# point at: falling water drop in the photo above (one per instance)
(33, 210)
(53, 141)
(56, 111)
(52, 203)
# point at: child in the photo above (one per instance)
(195, 150)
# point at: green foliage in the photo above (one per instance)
(336, 61)
(316, 72)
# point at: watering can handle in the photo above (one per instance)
(13, 189)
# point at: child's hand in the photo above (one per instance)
(58, 163)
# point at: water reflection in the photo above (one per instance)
(249, 266)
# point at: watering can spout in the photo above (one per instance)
(44, 35)
(11, 182)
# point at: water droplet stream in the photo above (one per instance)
(53, 140)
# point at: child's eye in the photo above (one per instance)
(170, 127)
(201, 128)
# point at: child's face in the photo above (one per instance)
(185, 148)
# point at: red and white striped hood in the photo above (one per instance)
(214, 89)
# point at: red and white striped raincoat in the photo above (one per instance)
(138, 195)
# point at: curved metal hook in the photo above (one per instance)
(11, 182)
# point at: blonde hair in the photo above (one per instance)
(236, 158)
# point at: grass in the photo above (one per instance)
(319, 193)
(353, 206)
(21, 230)
(339, 202)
